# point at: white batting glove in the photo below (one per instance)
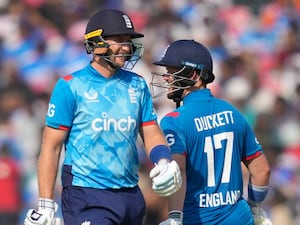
(166, 178)
(174, 218)
(259, 215)
(44, 215)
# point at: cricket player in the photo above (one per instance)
(210, 139)
(95, 114)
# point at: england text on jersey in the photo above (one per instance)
(218, 199)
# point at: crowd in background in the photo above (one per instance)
(256, 51)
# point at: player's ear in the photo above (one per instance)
(195, 75)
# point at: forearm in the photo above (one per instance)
(49, 160)
(47, 172)
(259, 171)
(259, 179)
(152, 137)
(175, 205)
(176, 201)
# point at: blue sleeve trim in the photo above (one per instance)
(160, 152)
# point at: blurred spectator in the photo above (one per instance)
(10, 191)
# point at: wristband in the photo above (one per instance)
(160, 152)
(257, 193)
(175, 214)
(46, 203)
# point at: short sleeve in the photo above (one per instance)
(61, 106)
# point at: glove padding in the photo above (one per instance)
(166, 178)
(44, 215)
(259, 215)
(174, 218)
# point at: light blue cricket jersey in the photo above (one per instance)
(215, 138)
(102, 117)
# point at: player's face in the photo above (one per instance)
(120, 47)
(169, 78)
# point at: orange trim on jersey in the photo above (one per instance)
(250, 157)
(68, 77)
(65, 128)
(173, 114)
(148, 123)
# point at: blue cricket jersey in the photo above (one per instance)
(102, 117)
(215, 138)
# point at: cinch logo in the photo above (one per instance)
(109, 124)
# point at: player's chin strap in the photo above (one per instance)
(131, 58)
(112, 64)
(106, 57)
(178, 100)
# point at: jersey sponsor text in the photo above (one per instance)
(110, 124)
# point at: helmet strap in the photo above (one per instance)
(111, 63)
(105, 57)
(178, 100)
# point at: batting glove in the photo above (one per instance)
(174, 218)
(44, 215)
(166, 178)
(259, 215)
